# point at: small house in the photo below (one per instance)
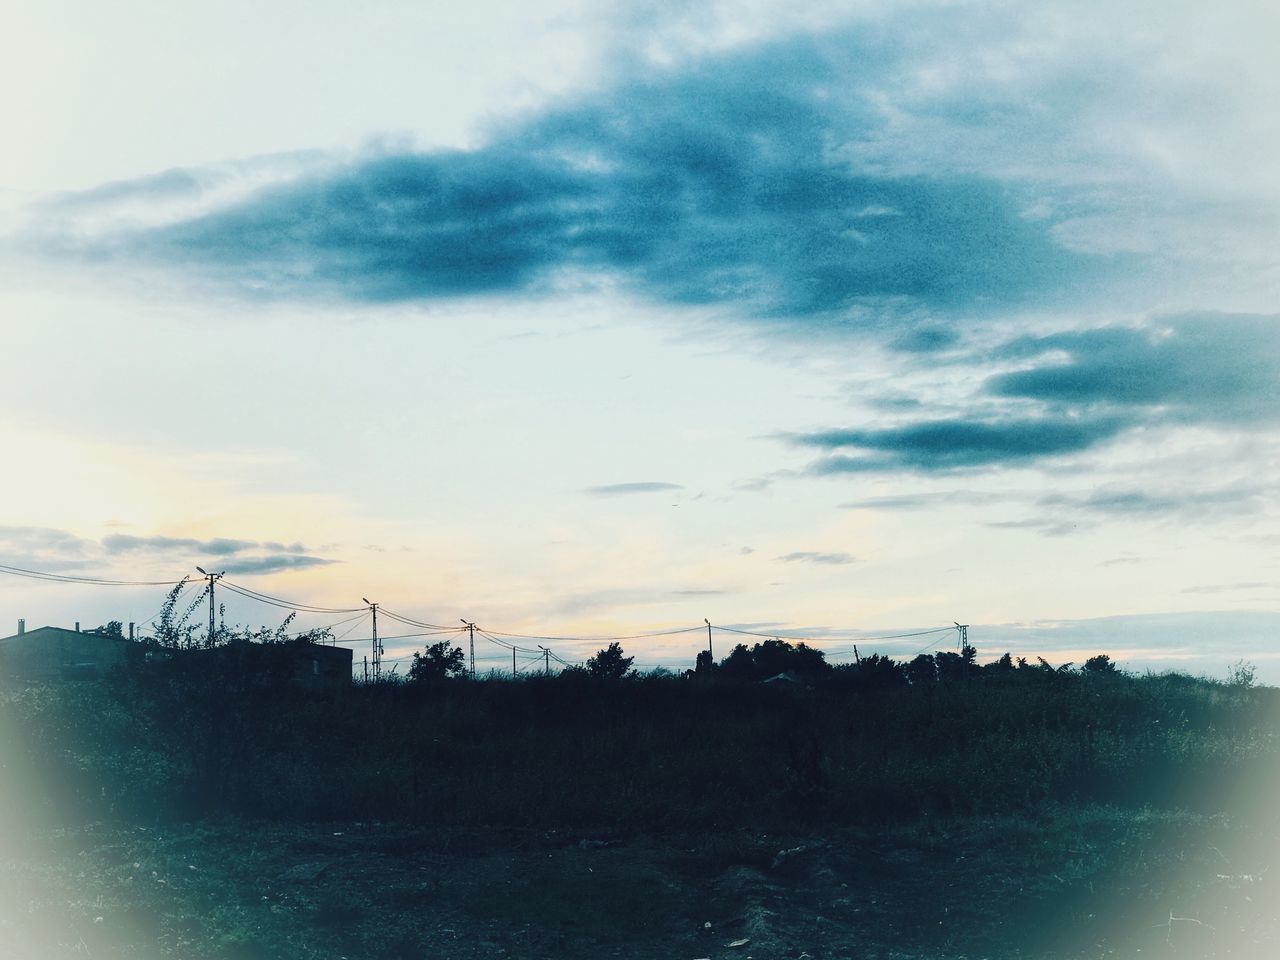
(56, 653)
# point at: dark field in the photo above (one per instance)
(1024, 813)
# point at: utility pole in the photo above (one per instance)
(513, 663)
(377, 645)
(710, 653)
(212, 578)
(471, 628)
(963, 630)
(546, 660)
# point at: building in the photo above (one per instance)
(314, 665)
(56, 653)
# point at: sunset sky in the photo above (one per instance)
(580, 319)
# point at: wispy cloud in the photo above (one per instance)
(1075, 392)
(218, 546)
(811, 556)
(233, 556)
(41, 540)
(275, 563)
(936, 445)
(1201, 368)
(920, 501)
(1065, 513)
(43, 548)
(1196, 502)
(626, 489)
(1231, 587)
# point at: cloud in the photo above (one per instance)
(939, 445)
(274, 564)
(42, 548)
(117, 543)
(232, 556)
(1199, 368)
(1077, 391)
(1193, 503)
(1045, 526)
(919, 501)
(625, 489)
(1232, 587)
(1068, 513)
(809, 556)
(729, 180)
(41, 540)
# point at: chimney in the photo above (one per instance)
(130, 629)
(22, 626)
(77, 626)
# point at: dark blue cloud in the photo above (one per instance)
(1081, 389)
(729, 181)
(935, 445)
(1216, 368)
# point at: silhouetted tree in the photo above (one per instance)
(112, 628)
(1099, 664)
(1003, 665)
(439, 661)
(951, 666)
(879, 673)
(739, 664)
(705, 664)
(772, 657)
(922, 670)
(610, 663)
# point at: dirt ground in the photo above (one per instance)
(1093, 883)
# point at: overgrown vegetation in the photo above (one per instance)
(867, 742)
(203, 805)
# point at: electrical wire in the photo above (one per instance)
(287, 604)
(410, 621)
(833, 639)
(434, 629)
(88, 581)
(634, 636)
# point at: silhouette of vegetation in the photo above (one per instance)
(610, 664)
(439, 661)
(771, 658)
(228, 731)
(1099, 664)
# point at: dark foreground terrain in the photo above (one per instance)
(191, 812)
(1091, 883)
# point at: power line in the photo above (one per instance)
(288, 604)
(634, 636)
(411, 622)
(88, 581)
(433, 629)
(835, 639)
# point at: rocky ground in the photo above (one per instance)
(1093, 883)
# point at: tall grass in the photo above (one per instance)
(645, 753)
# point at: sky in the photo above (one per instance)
(579, 320)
